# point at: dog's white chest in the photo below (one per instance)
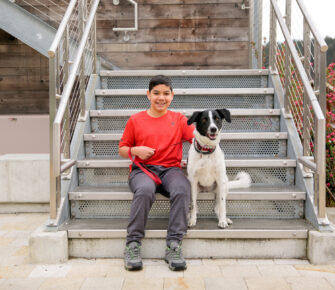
(206, 172)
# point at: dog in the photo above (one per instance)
(206, 167)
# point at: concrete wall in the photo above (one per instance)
(24, 183)
(24, 134)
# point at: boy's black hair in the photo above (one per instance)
(160, 80)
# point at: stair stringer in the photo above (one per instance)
(294, 150)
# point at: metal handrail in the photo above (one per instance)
(317, 35)
(67, 90)
(61, 28)
(319, 164)
(68, 81)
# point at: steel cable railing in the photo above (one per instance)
(72, 60)
(297, 52)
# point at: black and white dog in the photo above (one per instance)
(206, 164)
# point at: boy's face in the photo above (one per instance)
(160, 98)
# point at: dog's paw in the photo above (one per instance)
(223, 224)
(192, 222)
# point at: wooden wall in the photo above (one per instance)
(24, 86)
(172, 34)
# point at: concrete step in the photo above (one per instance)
(257, 98)
(242, 120)
(245, 238)
(139, 79)
(234, 145)
(262, 171)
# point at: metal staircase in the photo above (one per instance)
(270, 214)
(89, 196)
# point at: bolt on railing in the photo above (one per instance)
(72, 59)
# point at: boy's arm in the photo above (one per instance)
(142, 152)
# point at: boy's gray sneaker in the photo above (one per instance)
(174, 257)
(132, 257)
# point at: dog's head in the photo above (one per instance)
(209, 122)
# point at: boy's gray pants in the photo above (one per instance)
(174, 185)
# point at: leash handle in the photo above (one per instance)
(152, 175)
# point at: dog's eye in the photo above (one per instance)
(216, 118)
(204, 120)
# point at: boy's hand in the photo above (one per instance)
(143, 152)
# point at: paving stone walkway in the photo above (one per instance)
(100, 274)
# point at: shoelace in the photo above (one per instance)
(176, 252)
(134, 252)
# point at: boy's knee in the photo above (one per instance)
(146, 191)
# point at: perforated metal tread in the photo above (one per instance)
(189, 101)
(245, 120)
(205, 228)
(234, 145)
(252, 193)
(187, 112)
(186, 78)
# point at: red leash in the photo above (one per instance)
(152, 175)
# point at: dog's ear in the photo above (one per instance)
(224, 114)
(194, 118)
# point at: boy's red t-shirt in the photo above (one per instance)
(165, 134)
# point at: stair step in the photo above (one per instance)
(234, 145)
(257, 98)
(225, 136)
(254, 163)
(190, 92)
(262, 171)
(250, 120)
(205, 228)
(186, 78)
(252, 193)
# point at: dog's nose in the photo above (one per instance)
(213, 129)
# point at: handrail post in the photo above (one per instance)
(305, 136)
(95, 45)
(322, 89)
(52, 114)
(287, 58)
(320, 156)
(272, 48)
(260, 31)
(82, 9)
(251, 32)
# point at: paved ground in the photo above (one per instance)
(17, 273)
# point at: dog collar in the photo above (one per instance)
(203, 149)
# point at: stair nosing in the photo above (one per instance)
(187, 112)
(259, 163)
(224, 136)
(178, 92)
(141, 73)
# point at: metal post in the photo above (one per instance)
(95, 45)
(272, 48)
(251, 33)
(260, 34)
(287, 57)
(52, 114)
(66, 55)
(320, 156)
(316, 66)
(322, 84)
(82, 63)
(306, 127)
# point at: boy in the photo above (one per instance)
(155, 138)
